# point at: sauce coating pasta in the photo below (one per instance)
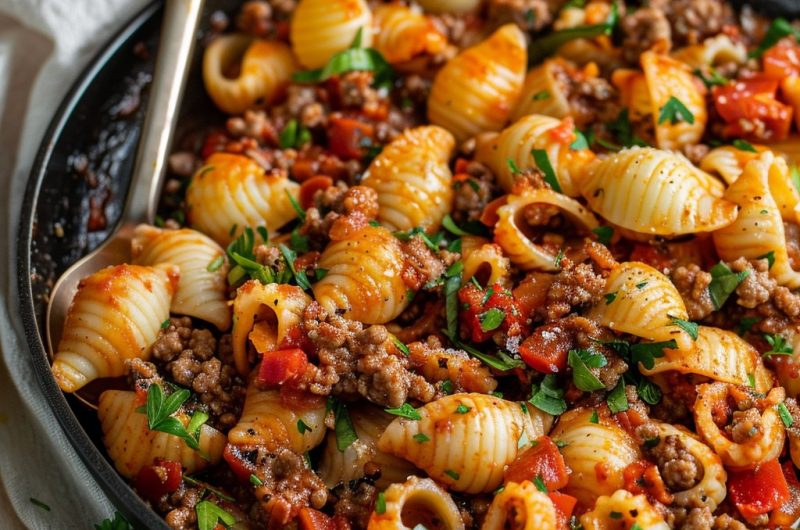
(467, 265)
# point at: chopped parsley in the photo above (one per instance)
(547, 397)
(580, 141)
(778, 345)
(580, 361)
(492, 319)
(255, 481)
(744, 145)
(543, 163)
(380, 503)
(594, 418)
(165, 324)
(746, 324)
(209, 515)
(462, 409)
(400, 346)
(610, 297)
(713, 79)
(652, 442)
(786, 416)
(118, 522)
(542, 94)
(342, 425)
(405, 411)
(215, 265)
(543, 47)
(421, 438)
(294, 135)
(778, 29)
(770, 257)
(723, 283)
(539, 483)
(675, 111)
(452, 474)
(512, 166)
(617, 400)
(604, 234)
(302, 427)
(692, 328)
(160, 409)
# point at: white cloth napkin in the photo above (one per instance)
(44, 45)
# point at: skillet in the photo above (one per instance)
(83, 166)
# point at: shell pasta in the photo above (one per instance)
(463, 265)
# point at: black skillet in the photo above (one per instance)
(84, 164)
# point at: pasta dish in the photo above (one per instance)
(464, 264)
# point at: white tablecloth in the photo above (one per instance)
(44, 44)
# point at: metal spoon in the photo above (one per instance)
(175, 46)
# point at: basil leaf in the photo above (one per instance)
(604, 234)
(778, 29)
(543, 47)
(786, 416)
(689, 327)
(744, 145)
(451, 287)
(350, 60)
(580, 141)
(648, 391)
(491, 319)
(342, 425)
(675, 111)
(406, 411)
(723, 283)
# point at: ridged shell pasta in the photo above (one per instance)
(541, 92)
(710, 489)
(656, 192)
(475, 91)
(364, 276)
(647, 93)
(717, 354)
(758, 228)
(131, 445)
(201, 293)
(413, 179)
(321, 28)
(623, 510)
(449, 6)
(640, 300)
(274, 308)
(470, 454)
(485, 261)
(265, 70)
(404, 33)
(116, 315)
(231, 192)
(522, 244)
(343, 466)
(765, 445)
(516, 143)
(715, 50)
(417, 501)
(521, 502)
(267, 422)
(589, 444)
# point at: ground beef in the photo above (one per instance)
(337, 211)
(355, 90)
(726, 522)
(745, 425)
(530, 15)
(645, 29)
(357, 361)
(692, 283)
(194, 359)
(473, 194)
(694, 20)
(288, 485)
(610, 374)
(755, 289)
(438, 365)
(355, 501)
(180, 508)
(679, 469)
(253, 124)
(183, 164)
(421, 265)
(697, 519)
(591, 99)
(575, 286)
(255, 18)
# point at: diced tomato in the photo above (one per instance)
(215, 141)
(643, 477)
(461, 165)
(565, 504)
(309, 187)
(346, 137)
(653, 256)
(296, 337)
(311, 519)
(789, 512)
(489, 215)
(783, 59)
(542, 460)
(163, 477)
(758, 490)
(546, 349)
(280, 366)
(240, 465)
(479, 302)
(564, 133)
(751, 110)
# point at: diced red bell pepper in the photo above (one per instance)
(215, 141)
(759, 490)
(789, 512)
(311, 519)
(542, 460)
(750, 109)
(346, 137)
(643, 477)
(163, 477)
(564, 504)
(296, 337)
(783, 59)
(240, 466)
(280, 366)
